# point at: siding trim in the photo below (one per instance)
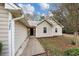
(9, 34)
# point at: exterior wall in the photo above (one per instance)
(50, 30)
(4, 16)
(59, 30)
(39, 30)
(1, 5)
(20, 35)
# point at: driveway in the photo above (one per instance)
(33, 48)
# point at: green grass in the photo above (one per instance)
(56, 45)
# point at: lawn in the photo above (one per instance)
(55, 46)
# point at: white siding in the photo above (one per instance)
(39, 30)
(20, 35)
(50, 29)
(55, 25)
(59, 30)
(4, 31)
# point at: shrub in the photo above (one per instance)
(0, 48)
(72, 52)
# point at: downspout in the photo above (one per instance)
(13, 33)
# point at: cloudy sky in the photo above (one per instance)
(37, 8)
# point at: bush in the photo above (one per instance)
(0, 48)
(72, 52)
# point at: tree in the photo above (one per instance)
(68, 15)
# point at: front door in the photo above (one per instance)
(31, 31)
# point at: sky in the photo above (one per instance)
(37, 8)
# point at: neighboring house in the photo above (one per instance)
(48, 27)
(13, 29)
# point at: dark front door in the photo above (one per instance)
(31, 31)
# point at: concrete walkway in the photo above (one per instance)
(33, 48)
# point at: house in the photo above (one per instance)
(48, 27)
(13, 29)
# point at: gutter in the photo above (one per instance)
(19, 17)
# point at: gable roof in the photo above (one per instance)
(51, 21)
(57, 22)
(46, 21)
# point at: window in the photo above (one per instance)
(56, 30)
(44, 30)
